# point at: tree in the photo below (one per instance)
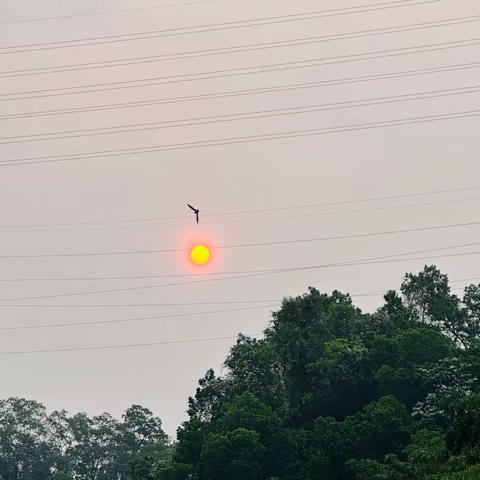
(340, 380)
(236, 455)
(254, 366)
(299, 332)
(329, 393)
(428, 295)
(139, 435)
(336, 394)
(151, 462)
(463, 433)
(210, 393)
(471, 310)
(27, 450)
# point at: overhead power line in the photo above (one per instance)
(242, 220)
(238, 48)
(251, 115)
(117, 347)
(212, 27)
(383, 292)
(189, 275)
(151, 317)
(248, 245)
(240, 140)
(235, 93)
(186, 304)
(238, 71)
(135, 319)
(122, 305)
(163, 317)
(131, 223)
(258, 273)
(131, 345)
(108, 12)
(380, 198)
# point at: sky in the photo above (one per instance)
(92, 205)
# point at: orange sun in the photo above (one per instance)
(200, 254)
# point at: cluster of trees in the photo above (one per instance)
(329, 393)
(38, 446)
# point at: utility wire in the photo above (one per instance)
(108, 12)
(151, 317)
(109, 347)
(240, 140)
(238, 48)
(161, 317)
(212, 27)
(397, 196)
(224, 118)
(184, 304)
(247, 245)
(235, 93)
(243, 220)
(123, 305)
(257, 273)
(124, 346)
(239, 71)
(117, 347)
(135, 319)
(383, 292)
(190, 275)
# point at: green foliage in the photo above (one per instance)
(247, 411)
(38, 446)
(329, 393)
(236, 455)
(332, 393)
(340, 381)
(254, 365)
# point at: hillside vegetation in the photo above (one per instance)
(328, 393)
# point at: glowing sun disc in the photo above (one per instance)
(200, 254)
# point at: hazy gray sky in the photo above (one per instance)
(285, 172)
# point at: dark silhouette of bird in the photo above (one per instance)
(196, 211)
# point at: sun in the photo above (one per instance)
(200, 254)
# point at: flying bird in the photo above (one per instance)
(196, 211)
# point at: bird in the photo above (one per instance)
(196, 211)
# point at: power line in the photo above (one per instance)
(84, 225)
(212, 27)
(151, 317)
(159, 317)
(238, 71)
(184, 304)
(382, 198)
(235, 93)
(247, 245)
(190, 275)
(240, 140)
(238, 48)
(253, 219)
(124, 346)
(103, 305)
(116, 347)
(108, 12)
(257, 273)
(135, 319)
(383, 292)
(313, 108)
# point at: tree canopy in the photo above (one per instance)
(333, 393)
(329, 392)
